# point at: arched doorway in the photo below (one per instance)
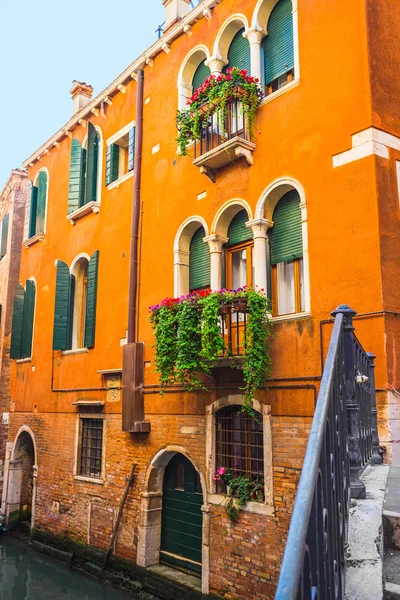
(21, 482)
(182, 519)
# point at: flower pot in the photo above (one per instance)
(236, 304)
(243, 304)
(226, 309)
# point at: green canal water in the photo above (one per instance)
(25, 575)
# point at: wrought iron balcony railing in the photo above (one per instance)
(233, 329)
(343, 440)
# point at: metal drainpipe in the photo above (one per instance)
(133, 351)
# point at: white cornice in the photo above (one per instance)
(200, 11)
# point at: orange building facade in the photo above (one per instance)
(327, 138)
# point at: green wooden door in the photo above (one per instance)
(181, 516)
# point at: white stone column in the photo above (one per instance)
(184, 93)
(181, 273)
(215, 242)
(216, 64)
(255, 35)
(259, 228)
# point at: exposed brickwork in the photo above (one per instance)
(12, 202)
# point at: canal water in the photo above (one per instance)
(26, 575)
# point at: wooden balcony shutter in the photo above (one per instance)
(27, 222)
(28, 318)
(239, 53)
(70, 313)
(76, 177)
(278, 44)
(61, 307)
(91, 300)
(41, 202)
(199, 261)
(200, 75)
(92, 155)
(131, 148)
(237, 231)
(112, 163)
(286, 240)
(16, 328)
(4, 235)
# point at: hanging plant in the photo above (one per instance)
(189, 337)
(212, 98)
(240, 490)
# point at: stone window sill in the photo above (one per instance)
(39, 237)
(258, 508)
(21, 361)
(75, 351)
(121, 179)
(280, 92)
(82, 211)
(89, 479)
(292, 317)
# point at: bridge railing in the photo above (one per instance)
(343, 440)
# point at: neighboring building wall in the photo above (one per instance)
(12, 203)
(300, 131)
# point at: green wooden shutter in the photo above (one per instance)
(61, 307)
(70, 313)
(278, 44)
(112, 160)
(4, 235)
(199, 261)
(239, 53)
(41, 202)
(286, 240)
(28, 203)
(32, 222)
(76, 173)
(91, 300)
(237, 231)
(200, 75)
(28, 318)
(92, 154)
(16, 328)
(131, 148)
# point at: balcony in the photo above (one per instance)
(233, 324)
(224, 139)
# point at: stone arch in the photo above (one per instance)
(99, 159)
(79, 267)
(22, 473)
(226, 213)
(186, 72)
(226, 34)
(262, 13)
(182, 253)
(149, 532)
(265, 209)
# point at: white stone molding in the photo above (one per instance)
(255, 36)
(368, 142)
(216, 64)
(226, 34)
(182, 251)
(216, 243)
(186, 72)
(259, 228)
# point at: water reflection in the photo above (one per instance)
(26, 575)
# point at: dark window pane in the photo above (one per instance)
(91, 447)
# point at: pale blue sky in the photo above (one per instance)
(44, 45)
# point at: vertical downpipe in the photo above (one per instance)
(133, 351)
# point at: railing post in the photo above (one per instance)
(377, 458)
(353, 410)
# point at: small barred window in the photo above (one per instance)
(91, 448)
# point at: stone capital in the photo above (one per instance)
(215, 242)
(259, 227)
(254, 35)
(216, 64)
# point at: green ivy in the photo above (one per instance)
(188, 343)
(212, 343)
(165, 330)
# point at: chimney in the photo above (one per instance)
(175, 10)
(81, 94)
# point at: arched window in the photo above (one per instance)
(239, 53)
(286, 256)
(239, 443)
(22, 320)
(35, 211)
(278, 47)
(239, 252)
(75, 305)
(84, 170)
(200, 75)
(199, 261)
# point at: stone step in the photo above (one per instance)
(391, 591)
(391, 510)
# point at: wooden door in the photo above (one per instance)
(181, 534)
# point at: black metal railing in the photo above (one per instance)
(343, 440)
(219, 127)
(233, 323)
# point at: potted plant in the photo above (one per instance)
(213, 96)
(240, 490)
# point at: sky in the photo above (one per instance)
(44, 45)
